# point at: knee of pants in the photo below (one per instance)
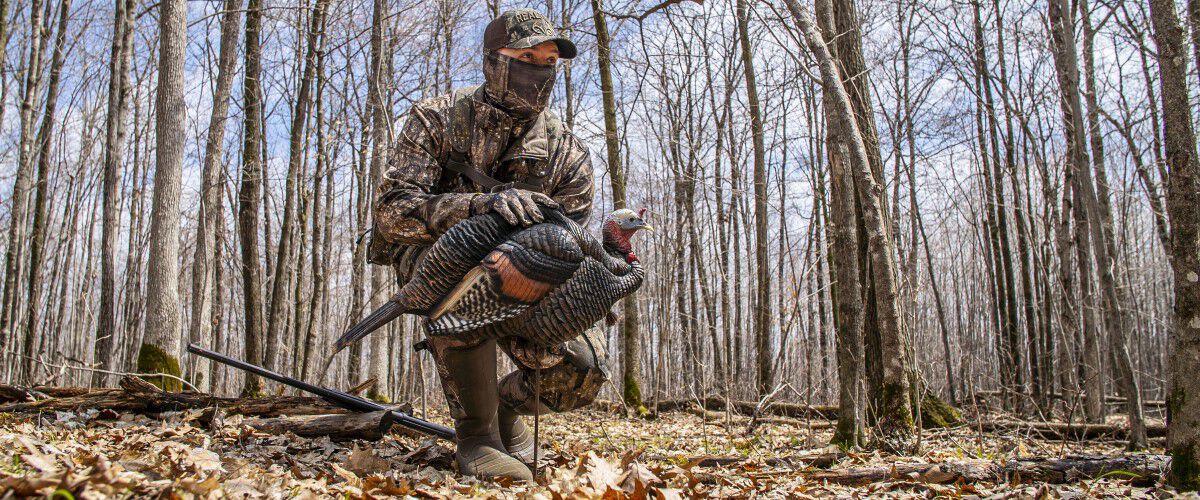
(566, 387)
(573, 383)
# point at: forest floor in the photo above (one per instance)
(594, 454)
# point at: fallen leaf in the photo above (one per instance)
(40, 462)
(350, 477)
(363, 461)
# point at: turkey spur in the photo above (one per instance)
(546, 283)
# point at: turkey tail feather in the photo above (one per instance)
(389, 311)
(457, 293)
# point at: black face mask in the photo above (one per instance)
(520, 88)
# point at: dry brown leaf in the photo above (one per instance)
(241, 487)
(350, 477)
(202, 487)
(637, 476)
(668, 494)
(363, 461)
(40, 462)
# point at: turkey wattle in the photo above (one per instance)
(546, 283)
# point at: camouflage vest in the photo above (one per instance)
(462, 123)
(458, 164)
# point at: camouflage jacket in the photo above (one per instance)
(419, 199)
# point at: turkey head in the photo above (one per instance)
(619, 229)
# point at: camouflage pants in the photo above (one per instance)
(572, 373)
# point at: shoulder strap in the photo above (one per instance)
(462, 117)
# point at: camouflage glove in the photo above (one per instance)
(518, 206)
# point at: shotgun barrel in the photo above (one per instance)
(339, 398)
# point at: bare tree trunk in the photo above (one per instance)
(283, 267)
(5, 33)
(762, 267)
(358, 262)
(114, 158)
(162, 342)
(322, 215)
(846, 293)
(1025, 273)
(1193, 17)
(895, 415)
(217, 371)
(1011, 340)
(248, 195)
(134, 301)
(1079, 179)
(377, 101)
(24, 177)
(1116, 306)
(631, 346)
(1183, 206)
(941, 312)
(37, 236)
(203, 260)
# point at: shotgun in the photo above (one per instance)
(339, 398)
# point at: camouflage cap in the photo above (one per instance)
(524, 28)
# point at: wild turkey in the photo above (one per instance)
(546, 283)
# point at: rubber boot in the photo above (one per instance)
(516, 436)
(469, 381)
(517, 399)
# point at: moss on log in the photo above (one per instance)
(938, 414)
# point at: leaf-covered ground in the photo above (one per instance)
(594, 454)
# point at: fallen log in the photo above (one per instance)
(339, 427)
(718, 418)
(747, 407)
(1109, 400)
(137, 396)
(813, 460)
(17, 393)
(1140, 469)
(1061, 430)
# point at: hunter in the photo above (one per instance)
(493, 148)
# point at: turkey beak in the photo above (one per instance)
(647, 227)
(379, 317)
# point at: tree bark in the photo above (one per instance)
(204, 258)
(322, 220)
(37, 245)
(1078, 178)
(283, 268)
(895, 415)
(941, 311)
(1117, 320)
(248, 195)
(631, 342)
(163, 335)
(377, 99)
(114, 158)
(1183, 207)
(24, 176)
(762, 266)
(1010, 340)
